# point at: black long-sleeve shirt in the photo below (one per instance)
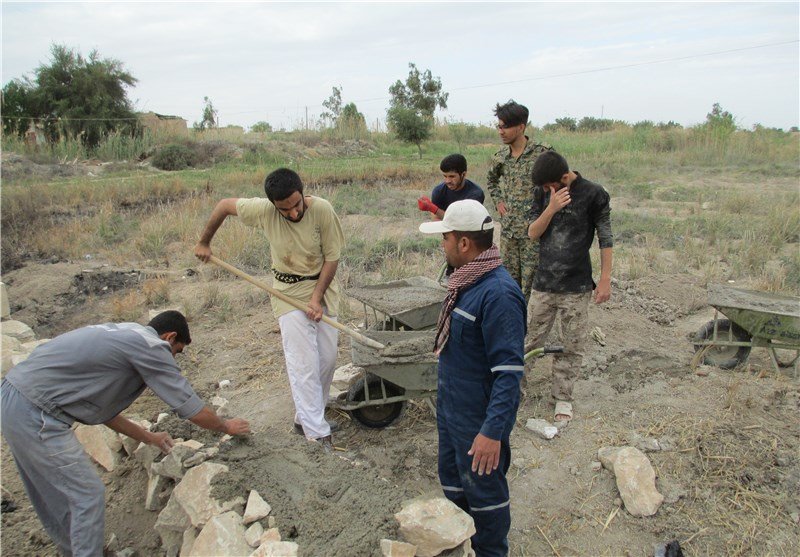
(564, 262)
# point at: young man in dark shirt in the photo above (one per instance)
(455, 187)
(567, 210)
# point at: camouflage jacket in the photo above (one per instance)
(510, 181)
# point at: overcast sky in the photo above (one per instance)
(269, 61)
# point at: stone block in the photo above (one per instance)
(145, 455)
(5, 307)
(101, 443)
(194, 493)
(7, 360)
(12, 344)
(200, 456)
(636, 479)
(17, 359)
(222, 536)
(171, 524)
(18, 330)
(171, 465)
(256, 508)
(434, 525)
(253, 534)
(189, 537)
(155, 485)
(276, 549)
(270, 535)
(392, 548)
(346, 375)
(32, 345)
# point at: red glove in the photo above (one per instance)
(426, 204)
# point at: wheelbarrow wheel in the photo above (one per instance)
(725, 357)
(375, 416)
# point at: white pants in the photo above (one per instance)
(310, 351)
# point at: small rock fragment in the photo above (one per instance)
(542, 428)
(256, 508)
(276, 549)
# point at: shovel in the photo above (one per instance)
(299, 305)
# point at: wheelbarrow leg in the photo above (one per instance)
(433, 406)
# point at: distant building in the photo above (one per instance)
(163, 125)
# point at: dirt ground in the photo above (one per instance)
(728, 464)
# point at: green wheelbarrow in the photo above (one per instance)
(754, 320)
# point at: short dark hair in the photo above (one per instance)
(171, 321)
(549, 167)
(282, 183)
(481, 238)
(511, 113)
(453, 163)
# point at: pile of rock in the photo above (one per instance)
(18, 339)
(191, 522)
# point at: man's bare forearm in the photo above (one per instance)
(538, 227)
(325, 279)
(223, 209)
(606, 259)
(123, 425)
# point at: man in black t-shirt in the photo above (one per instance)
(566, 211)
(455, 187)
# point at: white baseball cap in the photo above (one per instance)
(467, 215)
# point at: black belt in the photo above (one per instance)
(291, 279)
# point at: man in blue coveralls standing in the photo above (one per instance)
(480, 342)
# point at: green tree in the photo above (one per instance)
(76, 97)
(421, 92)
(462, 133)
(334, 106)
(409, 125)
(261, 127)
(210, 116)
(413, 103)
(350, 122)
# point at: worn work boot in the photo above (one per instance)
(299, 429)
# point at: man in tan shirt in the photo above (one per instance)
(306, 239)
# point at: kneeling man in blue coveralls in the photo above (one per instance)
(480, 344)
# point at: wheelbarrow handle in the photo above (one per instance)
(295, 303)
(537, 352)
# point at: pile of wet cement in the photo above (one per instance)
(327, 504)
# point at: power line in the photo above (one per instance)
(480, 86)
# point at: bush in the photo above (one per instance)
(173, 157)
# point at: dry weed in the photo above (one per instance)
(127, 307)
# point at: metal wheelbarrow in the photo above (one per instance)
(754, 319)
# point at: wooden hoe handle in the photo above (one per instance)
(299, 305)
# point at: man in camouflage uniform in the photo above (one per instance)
(567, 210)
(509, 182)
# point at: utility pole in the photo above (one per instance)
(306, 118)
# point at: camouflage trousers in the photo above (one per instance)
(574, 310)
(520, 258)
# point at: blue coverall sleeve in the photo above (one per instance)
(504, 337)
